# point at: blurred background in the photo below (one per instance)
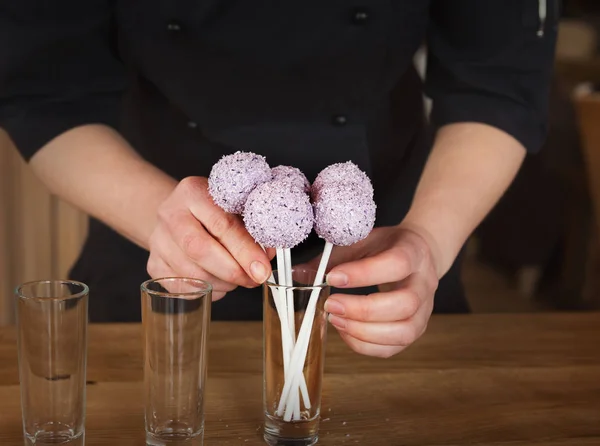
(539, 250)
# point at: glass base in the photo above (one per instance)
(174, 439)
(55, 434)
(273, 440)
(294, 433)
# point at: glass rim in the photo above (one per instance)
(21, 295)
(201, 292)
(321, 286)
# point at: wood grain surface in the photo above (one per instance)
(497, 380)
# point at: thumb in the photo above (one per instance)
(385, 267)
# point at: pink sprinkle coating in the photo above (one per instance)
(347, 172)
(292, 175)
(344, 213)
(234, 176)
(277, 215)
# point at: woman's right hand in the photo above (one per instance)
(195, 238)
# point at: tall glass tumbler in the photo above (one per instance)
(52, 321)
(175, 318)
(294, 358)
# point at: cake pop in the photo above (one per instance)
(234, 176)
(344, 214)
(277, 215)
(292, 175)
(347, 172)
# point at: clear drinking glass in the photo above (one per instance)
(52, 320)
(292, 405)
(176, 318)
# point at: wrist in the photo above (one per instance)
(443, 245)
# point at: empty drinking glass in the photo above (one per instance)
(52, 319)
(176, 317)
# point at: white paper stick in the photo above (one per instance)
(280, 267)
(295, 370)
(286, 344)
(286, 273)
(296, 413)
(292, 324)
(287, 339)
(287, 253)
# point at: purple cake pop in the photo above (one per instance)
(292, 175)
(344, 213)
(277, 215)
(234, 176)
(347, 172)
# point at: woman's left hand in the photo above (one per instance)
(400, 262)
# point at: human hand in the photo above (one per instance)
(196, 238)
(401, 263)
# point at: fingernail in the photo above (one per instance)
(338, 322)
(334, 307)
(337, 279)
(259, 272)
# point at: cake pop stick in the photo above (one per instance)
(286, 339)
(284, 295)
(292, 378)
(280, 216)
(344, 215)
(295, 403)
(290, 294)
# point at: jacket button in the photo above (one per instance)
(339, 120)
(192, 124)
(174, 26)
(360, 16)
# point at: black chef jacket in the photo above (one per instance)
(305, 83)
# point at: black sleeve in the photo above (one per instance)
(57, 69)
(491, 61)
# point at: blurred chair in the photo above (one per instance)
(577, 58)
(5, 264)
(540, 230)
(588, 110)
(534, 234)
(577, 40)
(40, 235)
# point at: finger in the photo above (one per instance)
(369, 349)
(229, 230)
(402, 333)
(271, 253)
(380, 333)
(158, 268)
(400, 302)
(183, 266)
(199, 246)
(389, 266)
(377, 307)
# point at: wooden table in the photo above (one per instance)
(501, 380)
